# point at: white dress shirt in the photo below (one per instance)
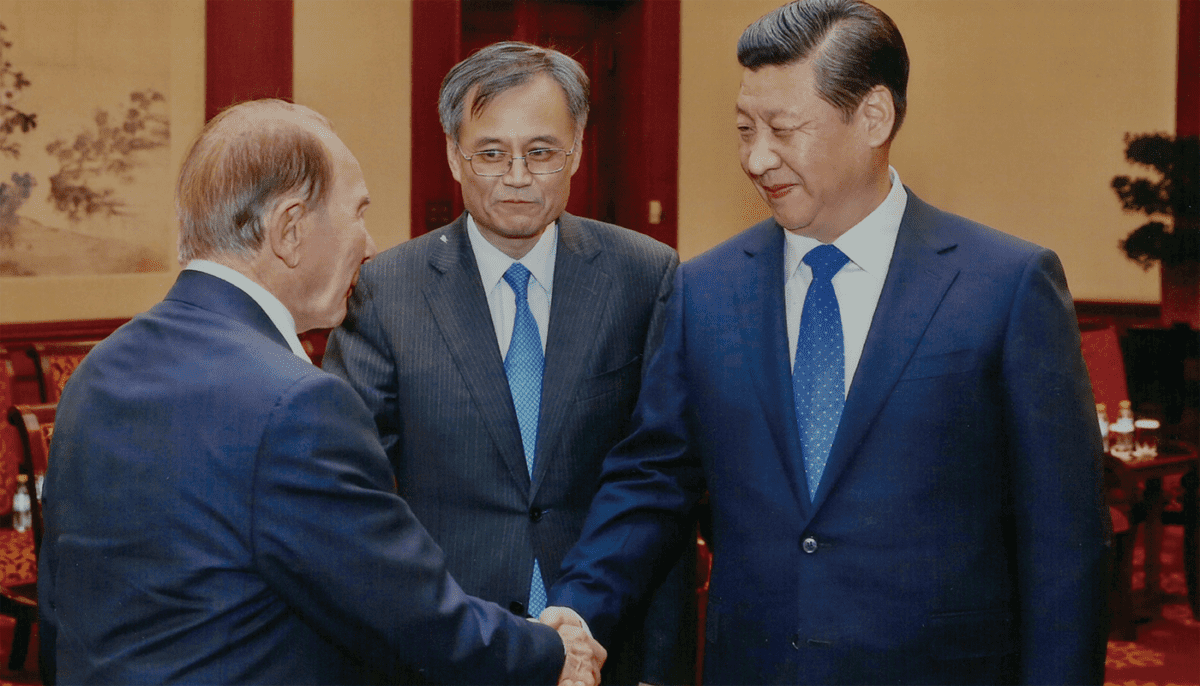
(276, 312)
(502, 302)
(869, 245)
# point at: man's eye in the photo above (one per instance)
(492, 155)
(540, 155)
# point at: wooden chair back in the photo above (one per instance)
(10, 442)
(55, 362)
(35, 424)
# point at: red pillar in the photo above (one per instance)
(248, 52)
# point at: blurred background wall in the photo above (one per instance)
(1017, 110)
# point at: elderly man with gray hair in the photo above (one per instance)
(217, 509)
(501, 355)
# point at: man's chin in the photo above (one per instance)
(795, 222)
(522, 230)
(520, 235)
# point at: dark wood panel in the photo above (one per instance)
(586, 31)
(1101, 313)
(24, 334)
(1187, 93)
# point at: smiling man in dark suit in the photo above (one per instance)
(501, 355)
(220, 511)
(886, 402)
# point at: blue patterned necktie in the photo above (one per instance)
(819, 375)
(523, 365)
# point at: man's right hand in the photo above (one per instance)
(584, 657)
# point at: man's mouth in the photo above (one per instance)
(778, 190)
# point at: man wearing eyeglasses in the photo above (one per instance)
(502, 355)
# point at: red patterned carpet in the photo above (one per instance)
(1167, 652)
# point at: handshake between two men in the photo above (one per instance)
(296, 525)
(584, 655)
(286, 532)
(270, 544)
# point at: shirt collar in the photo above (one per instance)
(276, 312)
(493, 262)
(868, 243)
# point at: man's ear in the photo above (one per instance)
(283, 229)
(877, 114)
(454, 159)
(577, 156)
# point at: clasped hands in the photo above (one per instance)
(584, 656)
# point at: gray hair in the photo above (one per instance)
(244, 161)
(501, 66)
(856, 47)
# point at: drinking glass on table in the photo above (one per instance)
(1145, 438)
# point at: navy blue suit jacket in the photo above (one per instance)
(218, 510)
(958, 534)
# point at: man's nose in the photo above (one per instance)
(518, 173)
(370, 250)
(759, 156)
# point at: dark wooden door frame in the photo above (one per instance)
(648, 116)
(1187, 89)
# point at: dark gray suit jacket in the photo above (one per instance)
(419, 345)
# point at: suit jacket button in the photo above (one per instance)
(517, 608)
(795, 641)
(809, 545)
(535, 514)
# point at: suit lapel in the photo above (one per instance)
(459, 305)
(917, 280)
(577, 305)
(764, 335)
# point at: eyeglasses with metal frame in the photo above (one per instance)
(539, 161)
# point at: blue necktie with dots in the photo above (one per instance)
(819, 375)
(523, 365)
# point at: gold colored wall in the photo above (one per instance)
(1017, 109)
(352, 63)
(1016, 117)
